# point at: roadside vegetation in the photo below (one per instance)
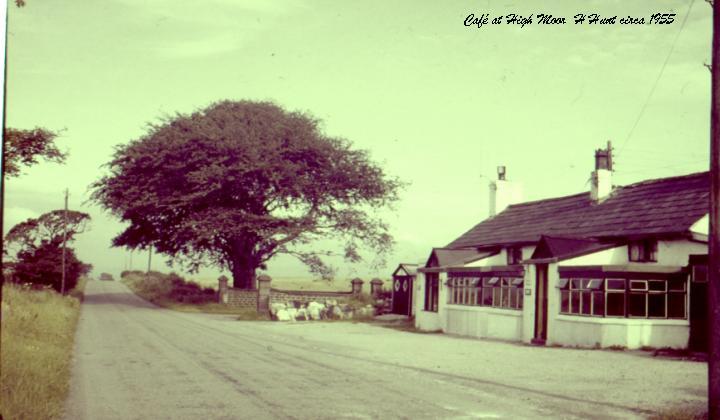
(174, 292)
(38, 331)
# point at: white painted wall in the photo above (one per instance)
(528, 329)
(702, 226)
(624, 332)
(500, 258)
(484, 322)
(600, 184)
(502, 194)
(427, 320)
(668, 253)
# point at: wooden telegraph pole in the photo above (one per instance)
(714, 240)
(64, 246)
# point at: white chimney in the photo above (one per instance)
(503, 193)
(601, 178)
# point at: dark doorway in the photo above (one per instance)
(699, 327)
(541, 293)
(402, 295)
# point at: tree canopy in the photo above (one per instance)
(239, 182)
(47, 228)
(24, 147)
(37, 245)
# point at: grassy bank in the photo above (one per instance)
(174, 292)
(38, 331)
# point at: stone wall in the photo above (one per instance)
(266, 297)
(239, 298)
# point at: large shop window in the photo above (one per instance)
(500, 292)
(431, 292)
(615, 297)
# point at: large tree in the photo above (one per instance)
(239, 182)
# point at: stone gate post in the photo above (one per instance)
(222, 289)
(375, 287)
(357, 285)
(263, 294)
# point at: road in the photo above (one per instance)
(136, 361)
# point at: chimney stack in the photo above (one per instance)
(601, 178)
(503, 193)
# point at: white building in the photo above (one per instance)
(603, 268)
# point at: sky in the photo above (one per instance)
(437, 103)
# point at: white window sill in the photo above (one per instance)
(486, 309)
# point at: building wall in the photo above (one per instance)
(424, 320)
(674, 253)
(622, 332)
(500, 258)
(561, 329)
(702, 226)
(484, 322)
(631, 333)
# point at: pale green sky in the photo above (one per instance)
(438, 103)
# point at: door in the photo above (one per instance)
(698, 309)
(402, 295)
(541, 292)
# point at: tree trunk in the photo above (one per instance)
(243, 274)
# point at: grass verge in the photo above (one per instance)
(38, 332)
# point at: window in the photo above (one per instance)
(632, 298)
(582, 296)
(677, 296)
(514, 255)
(643, 251)
(499, 292)
(431, 292)
(615, 297)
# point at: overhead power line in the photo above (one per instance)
(657, 79)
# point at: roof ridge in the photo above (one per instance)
(671, 178)
(548, 199)
(639, 183)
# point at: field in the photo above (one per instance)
(38, 331)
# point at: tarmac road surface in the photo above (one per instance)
(134, 360)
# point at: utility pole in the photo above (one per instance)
(714, 239)
(64, 246)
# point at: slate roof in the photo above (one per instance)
(445, 257)
(666, 206)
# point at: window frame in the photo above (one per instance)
(513, 255)
(634, 291)
(432, 291)
(644, 250)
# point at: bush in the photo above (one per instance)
(42, 266)
(157, 287)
